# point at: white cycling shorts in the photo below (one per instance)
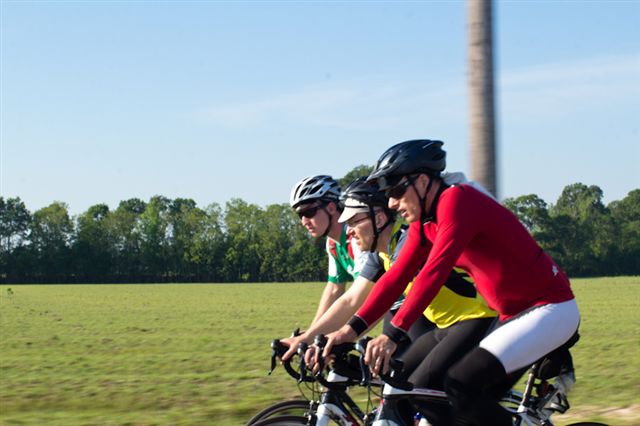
(526, 338)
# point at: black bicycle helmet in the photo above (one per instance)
(362, 196)
(364, 192)
(315, 188)
(409, 157)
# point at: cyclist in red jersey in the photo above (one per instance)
(459, 225)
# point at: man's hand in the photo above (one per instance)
(311, 359)
(379, 352)
(293, 343)
(343, 335)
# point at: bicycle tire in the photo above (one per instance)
(292, 407)
(587, 424)
(282, 421)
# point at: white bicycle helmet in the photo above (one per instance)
(315, 188)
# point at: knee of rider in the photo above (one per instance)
(474, 373)
(458, 392)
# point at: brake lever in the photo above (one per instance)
(361, 347)
(302, 348)
(274, 354)
(320, 341)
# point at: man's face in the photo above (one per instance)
(314, 217)
(360, 228)
(404, 199)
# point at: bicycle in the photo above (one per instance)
(533, 407)
(331, 404)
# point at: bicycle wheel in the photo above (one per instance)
(282, 421)
(294, 407)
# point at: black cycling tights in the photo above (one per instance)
(433, 353)
(420, 327)
(475, 385)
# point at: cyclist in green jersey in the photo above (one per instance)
(316, 200)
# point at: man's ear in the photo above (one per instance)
(421, 182)
(381, 218)
(332, 208)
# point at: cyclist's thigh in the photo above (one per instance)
(418, 352)
(524, 339)
(420, 327)
(454, 342)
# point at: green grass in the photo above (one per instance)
(198, 354)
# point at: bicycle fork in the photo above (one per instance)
(331, 408)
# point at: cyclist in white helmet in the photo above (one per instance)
(316, 199)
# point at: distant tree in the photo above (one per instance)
(208, 247)
(126, 233)
(50, 240)
(14, 223)
(626, 217)
(581, 202)
(307, 258)
(355, 173)
(186, 221)
(94, 247)
(133, 205)
(154, 228)
(531, 210)
(15, 220)
(577, 217)
(242, 224)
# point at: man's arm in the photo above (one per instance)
(335, 316)
(331, 293)
(343, 309)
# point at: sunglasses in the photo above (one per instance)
(310, 212)
(399, 190)
(353, 223)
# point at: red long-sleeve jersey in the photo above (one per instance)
(474, 232)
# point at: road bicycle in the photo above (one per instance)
(533, 407)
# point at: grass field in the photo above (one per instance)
(198, 354)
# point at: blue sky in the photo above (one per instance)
(102, 101)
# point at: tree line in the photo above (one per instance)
(166, 240)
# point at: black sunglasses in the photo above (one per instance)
(310, 212)
(399, 190)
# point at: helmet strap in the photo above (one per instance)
(423, 211)
(328, 228)
(382, 228)
(376, 231)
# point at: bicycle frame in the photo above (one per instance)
(336, 405)
(529, 409)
